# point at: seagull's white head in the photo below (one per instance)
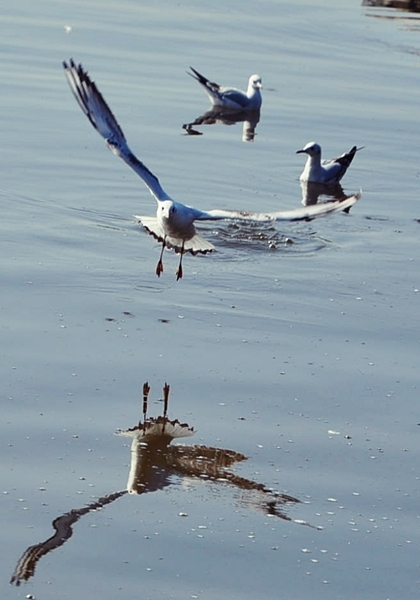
(166, 209)
(255, 82)
(311, 149)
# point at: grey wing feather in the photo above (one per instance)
(92, 102)
(101, 117)
(235, 96)
(305, 213)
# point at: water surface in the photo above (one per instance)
(303, 357)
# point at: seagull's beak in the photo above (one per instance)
(301, 151)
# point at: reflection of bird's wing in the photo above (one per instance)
(100, 115)
(196, 244)
(306, 213)
(26, 566)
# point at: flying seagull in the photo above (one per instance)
(231, 97)
(327, 171)
(173, 225)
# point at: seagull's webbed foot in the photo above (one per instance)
(159, 267)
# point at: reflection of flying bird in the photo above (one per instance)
(63, 526)
(327, 171)
(173, 225)
(154, 463)
(231, 97)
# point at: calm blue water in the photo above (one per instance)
(303, 358)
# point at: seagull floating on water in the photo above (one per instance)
(173, 225)
(327, 171)
(231, 97)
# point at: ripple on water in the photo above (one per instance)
(267, 237)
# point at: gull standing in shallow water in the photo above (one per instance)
(327, 171)
(173, 225)
(231, 97)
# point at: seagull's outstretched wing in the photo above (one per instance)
(305, 213)
(100, 115)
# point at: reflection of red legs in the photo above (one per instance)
(179, 269)
(166, 389)
(159, 266)
(146, 390)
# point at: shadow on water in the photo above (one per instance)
(225, 116)
(152, 467)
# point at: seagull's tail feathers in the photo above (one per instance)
(152, 226)
(211, 87)
(195, 245)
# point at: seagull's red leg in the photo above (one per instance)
(179, 269)
(159, 266)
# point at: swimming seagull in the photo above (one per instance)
(327, 171)
(231, 97)
(173, 225)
